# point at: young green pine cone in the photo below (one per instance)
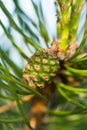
(41, 68)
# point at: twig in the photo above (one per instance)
(14, 104)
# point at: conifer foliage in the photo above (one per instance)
(49, 89)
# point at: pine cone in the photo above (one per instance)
(41, 68)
